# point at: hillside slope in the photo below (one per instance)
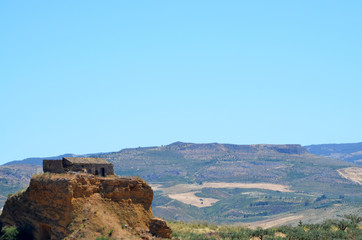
(37, 160)
(350, 152)
(188, 162)
(239, 183)
(182, 174)
(15, 177)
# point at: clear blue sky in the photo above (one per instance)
(97, 76)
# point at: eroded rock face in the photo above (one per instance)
(81, 206)
(159, 228)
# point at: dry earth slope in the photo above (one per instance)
(83, 206)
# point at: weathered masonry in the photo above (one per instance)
(96, 166)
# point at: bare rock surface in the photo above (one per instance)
(159, 228)
(82, 206)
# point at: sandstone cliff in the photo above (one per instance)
(82, 206)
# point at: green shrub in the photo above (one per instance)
(110, 232)
(9, 233)
(347, 228)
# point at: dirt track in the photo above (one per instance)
(275, 221)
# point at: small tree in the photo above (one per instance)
(260, 233)
(353, 218)
(342, 224)
(300, 223)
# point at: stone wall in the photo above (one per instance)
(95, 169)
(62, 166)
(53, 166)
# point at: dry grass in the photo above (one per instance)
(56, 176)
(276, 221)
(352, 173)
(195, 227)
(96, 216)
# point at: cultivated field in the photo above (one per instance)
(266, 186)
(352, 173)
(191, 198)
(185, 193)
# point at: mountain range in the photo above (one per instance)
(350, 152)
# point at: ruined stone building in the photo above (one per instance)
(95, 166)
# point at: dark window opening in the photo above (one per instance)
(45, 232)
(89, 170)
(96, 172)
(103, 172)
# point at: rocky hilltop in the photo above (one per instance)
(83, 206)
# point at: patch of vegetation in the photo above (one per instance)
(347, 228)
(9, 233)
(110, 232)
(309, 176)
(17, 194)
(249, 205)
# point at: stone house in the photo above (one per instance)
(95, 166)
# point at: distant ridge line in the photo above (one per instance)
(317, 149)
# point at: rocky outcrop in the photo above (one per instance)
(83, 206)
(159, 228)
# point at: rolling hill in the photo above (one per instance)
(226, 183)
(350, 152)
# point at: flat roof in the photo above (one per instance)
(81, 160)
